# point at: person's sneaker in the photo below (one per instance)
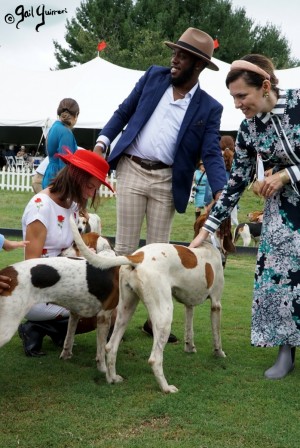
(148, 330)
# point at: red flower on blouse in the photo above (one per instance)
(39, 203)
(60, 220)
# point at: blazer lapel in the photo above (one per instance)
(191, 110)
(162, 86)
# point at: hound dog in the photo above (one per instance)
(90, 286)
(94, 241)
(70, 282)
(102, 246)
(248, 231)
(156, 273)
(256, 216)
(92, 223)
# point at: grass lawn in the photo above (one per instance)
(222, 402)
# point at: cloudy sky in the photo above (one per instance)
(27, 28)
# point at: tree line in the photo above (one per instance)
(134, 32)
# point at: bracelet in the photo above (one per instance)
(284, 177)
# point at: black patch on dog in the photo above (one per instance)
(43, 276)
(99, 281)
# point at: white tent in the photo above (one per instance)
(30, 98)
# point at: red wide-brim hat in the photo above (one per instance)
(87, 161)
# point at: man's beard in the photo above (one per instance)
(185, 76)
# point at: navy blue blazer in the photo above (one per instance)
(198, 137)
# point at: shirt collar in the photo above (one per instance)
(278, 109)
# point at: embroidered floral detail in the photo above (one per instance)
(38, 203)
(60, 221)
(44, 253)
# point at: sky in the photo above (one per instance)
(28, 27)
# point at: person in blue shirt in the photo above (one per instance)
(200, 181)
(60, 137)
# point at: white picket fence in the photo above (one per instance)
(16, 179)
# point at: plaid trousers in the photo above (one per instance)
(142, 194)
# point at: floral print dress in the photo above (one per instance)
(276, 297)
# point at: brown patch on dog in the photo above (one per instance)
(10, 272)
(187, 257)
(90, 239)
(136, 258)
(113, 298)
(209, 275)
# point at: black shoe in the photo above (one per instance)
(148, 330)
(32, 340)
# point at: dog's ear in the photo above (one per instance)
(90, 239)
(226, 235)
(199, 223)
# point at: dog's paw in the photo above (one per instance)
(114, 379)
(66, 354)
(170, 389)
(101, 366)
(190, 348)
(219, 352)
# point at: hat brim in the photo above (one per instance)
(210, 64)
(69, 159)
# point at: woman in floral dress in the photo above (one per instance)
(46, 224)
(268, 139)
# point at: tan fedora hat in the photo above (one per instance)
(198, 43)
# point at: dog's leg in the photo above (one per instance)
(189, 346)
(103, 325)
(216, 310)
(11, 314)
(128, 301)
(69, 339)
(157, 298)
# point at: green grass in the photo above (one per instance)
(222, 402)
(12, 205)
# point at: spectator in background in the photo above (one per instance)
(200, 181)
(38, 174)
(22, 153)
(60, 136)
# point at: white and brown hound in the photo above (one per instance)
(88, 287)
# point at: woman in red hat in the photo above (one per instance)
(46, 225)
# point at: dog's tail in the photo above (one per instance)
(97, 260)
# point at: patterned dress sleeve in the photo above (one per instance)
(240, 176)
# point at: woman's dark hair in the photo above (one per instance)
(252, 78)
(67, 108)
(68, 184)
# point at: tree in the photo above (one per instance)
(134, 32)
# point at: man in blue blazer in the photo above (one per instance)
(168, 124)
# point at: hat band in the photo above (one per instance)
(190, 47)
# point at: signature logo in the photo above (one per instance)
(40, 12)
